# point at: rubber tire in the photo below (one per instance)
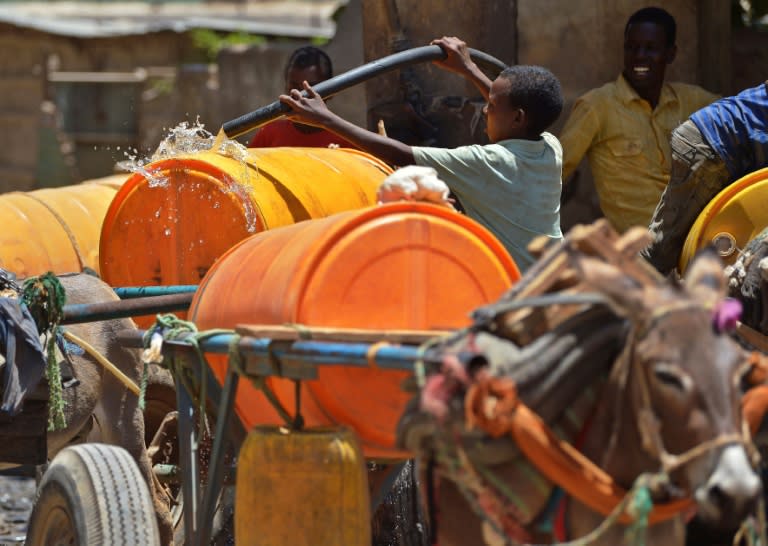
(93, 495)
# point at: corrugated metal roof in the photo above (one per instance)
(300, 19)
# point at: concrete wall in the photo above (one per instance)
(21, 93)
(749, 58)
(582, 43)
(28, 121)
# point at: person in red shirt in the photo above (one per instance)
(313, 65)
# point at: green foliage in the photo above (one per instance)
(161, 86)
(319, 41)
(211, 42)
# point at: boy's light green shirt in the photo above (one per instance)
(512, 187)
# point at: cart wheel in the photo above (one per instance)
(93, 495)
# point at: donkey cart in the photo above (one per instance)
(577, 322)
(578, 325)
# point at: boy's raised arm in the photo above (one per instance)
(459, 61)
(313, 111)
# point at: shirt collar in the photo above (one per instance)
(627, 94)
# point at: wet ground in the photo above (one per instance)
(16, 498)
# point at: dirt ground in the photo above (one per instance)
(16, 498)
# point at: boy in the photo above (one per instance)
(511, 186)
(623, 127)
(312, 65)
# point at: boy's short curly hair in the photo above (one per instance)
(307, 56)
(537, 91)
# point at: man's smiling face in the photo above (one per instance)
(646, 56)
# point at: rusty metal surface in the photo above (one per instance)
(91, 312)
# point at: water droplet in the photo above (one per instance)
(167, 231)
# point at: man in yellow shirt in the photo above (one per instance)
(624, 126)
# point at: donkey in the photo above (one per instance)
(100, 408)
(669, 402)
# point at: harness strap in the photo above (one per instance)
(127, 382)
(673, 462)
(556, 459)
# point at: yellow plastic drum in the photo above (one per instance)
(55, 229)
(169, 225)
(735, 216)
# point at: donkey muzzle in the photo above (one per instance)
(731, 491)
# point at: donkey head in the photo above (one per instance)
(680, 377)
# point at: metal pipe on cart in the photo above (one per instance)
(130, 292)
(393, 357)
(92, 312)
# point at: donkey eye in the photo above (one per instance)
(672, 377)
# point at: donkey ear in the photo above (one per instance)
(705, 279)
(623, 292)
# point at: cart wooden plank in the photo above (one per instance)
(352, 335)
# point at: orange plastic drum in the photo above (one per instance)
(735, 216)
(396, 266)
(169, 226)
(55, 229)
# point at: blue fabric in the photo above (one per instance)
(23, 352)
(737, 129)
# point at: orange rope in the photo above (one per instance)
(754, 403)
(493, 406)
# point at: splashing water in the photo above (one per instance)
(248, 208)
(184, 139)
(191, 138)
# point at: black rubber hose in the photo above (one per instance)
(327, 88)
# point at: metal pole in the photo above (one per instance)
(91, 312)
(188, 459)
(394, 357)
(130, 292)
(216, 463)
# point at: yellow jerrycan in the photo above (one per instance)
(302, 488)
